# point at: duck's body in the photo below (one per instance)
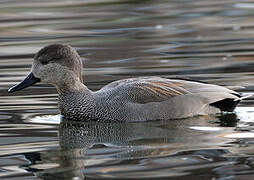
(147, 98)
(135, 99)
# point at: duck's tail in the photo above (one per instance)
(245, 96)
(229, 104)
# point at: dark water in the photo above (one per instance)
(212, 41)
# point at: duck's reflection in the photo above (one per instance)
(111, 149)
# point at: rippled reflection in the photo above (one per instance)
(154, 149)
(210, 41)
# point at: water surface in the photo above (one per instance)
(211, 41)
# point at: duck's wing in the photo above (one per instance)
(155, 89)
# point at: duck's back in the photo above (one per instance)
(151, 98)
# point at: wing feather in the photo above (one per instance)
(155, 89)
(152, 90)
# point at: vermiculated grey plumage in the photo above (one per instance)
(146, 98)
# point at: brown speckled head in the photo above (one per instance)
(58, 64)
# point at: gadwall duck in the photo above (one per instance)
(134, 99)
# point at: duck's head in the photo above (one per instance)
(56, 64)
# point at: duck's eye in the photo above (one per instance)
(44, 62)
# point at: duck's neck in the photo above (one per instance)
(72, 84)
